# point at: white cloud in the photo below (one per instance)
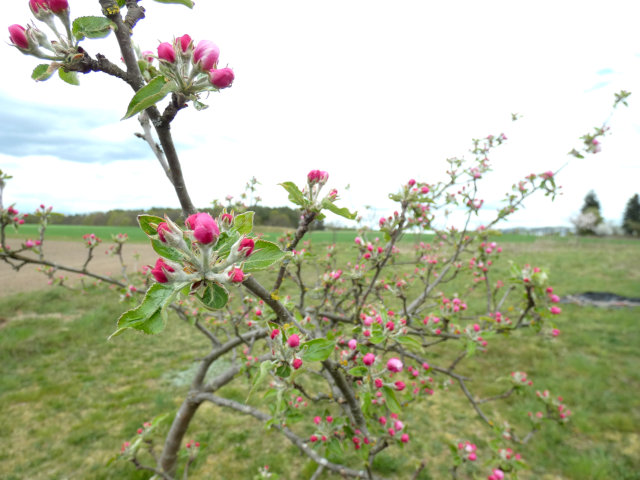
(372, 92)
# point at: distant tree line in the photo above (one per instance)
(274, 216)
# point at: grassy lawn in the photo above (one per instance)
(69, 397)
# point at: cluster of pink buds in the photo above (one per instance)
(31, 243)
(31, 40)
(468, 451)
(193, 67)
(520, 378)
(197, 246)
(91, 240)
(11, 215)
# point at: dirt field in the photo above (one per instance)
(72, 254)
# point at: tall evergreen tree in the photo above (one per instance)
(631, 219)
(591, 203)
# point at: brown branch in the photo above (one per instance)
(303, 227)
(291, 436)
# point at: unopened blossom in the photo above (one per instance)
(368, 359)
(246, 246)
(18, 36)
(205, 228)
(400, 385)
(166, 52)
(221, 78)
(205, 55)
(555, 310)
(297, 363)
(236, 275)
(38, 6)
(353, 343)
(160, 270)
(293, 341)
(394, 365)
(404, 438)
(183, 43)
(57, 6)
(317, 176)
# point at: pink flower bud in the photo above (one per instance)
(166, 52)
(205, 56)
(313, 438)
(37, 5)
(274, 333)
(221, 78)
(329, 419)
(555, 310)
(293, 341)
(147, 56)
(404, 438)
(18, 36)
(472, 457)
(29, 244)
(317, 176)
(160, 270)
(394, 365)
(317, 420)
(57, 6)
(236, 275)
(378, 382)
(424, 189)
(162, 229)
(476, 327)
(368, 359)
(183, 43)
(412, 182)
(398, 425)
(297, 363)
(226, 219)
(246, 246)
(353, 343)
(400, 385)
(205, 229)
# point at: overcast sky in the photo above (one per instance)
(373, 92)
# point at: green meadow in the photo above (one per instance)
(69, 397)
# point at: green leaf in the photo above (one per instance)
(318, 350)
(264, 255)
(92, 27)
(343, 212)
(366, 403)
(334, 451)
(358, 371)
(225, 242)
(215, 296)
(70, 77)
(284, 370)
(259, 378)
(121, 3)
(186, 3)
(166, 251)
(149, 223)
(409, 342)
(392, 401)
(147, 317)
(150, 94)
(243, 223)
(43, 71)
(295, 195)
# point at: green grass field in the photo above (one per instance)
(70, 398)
